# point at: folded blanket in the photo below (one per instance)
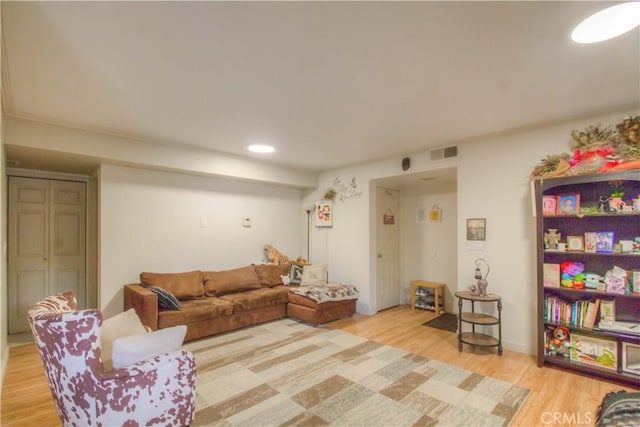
(328, 292)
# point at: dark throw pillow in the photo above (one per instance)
(165, 298)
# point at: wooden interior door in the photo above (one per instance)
(388, 289)
(46, 244)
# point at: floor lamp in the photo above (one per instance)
(308, 235)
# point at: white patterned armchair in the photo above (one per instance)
(157, 391)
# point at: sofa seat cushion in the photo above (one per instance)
(195, 310)
(258, 298)
(184, 286)
(217, 283)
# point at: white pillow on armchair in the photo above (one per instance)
(132, 349)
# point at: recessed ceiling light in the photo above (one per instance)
(261, 148)
(608, 23)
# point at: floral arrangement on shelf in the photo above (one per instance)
(596, 149)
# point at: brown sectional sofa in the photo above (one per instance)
(212, 301)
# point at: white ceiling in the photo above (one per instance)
(327, 83)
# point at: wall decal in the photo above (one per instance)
(346, 191)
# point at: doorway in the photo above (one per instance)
(46, 244)
(388, 288)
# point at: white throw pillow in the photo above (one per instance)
(136, 348)
(120, 325)
(314, 275)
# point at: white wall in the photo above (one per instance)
(61, 141)
(151, 221)
(493, 183)
(429, 250)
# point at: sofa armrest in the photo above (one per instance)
(144, 302)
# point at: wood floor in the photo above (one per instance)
(558, 398)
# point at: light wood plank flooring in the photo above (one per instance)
(558, 398)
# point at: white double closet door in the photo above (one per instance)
(47, 244)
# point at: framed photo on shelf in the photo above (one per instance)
(549, 205)
(568, 204)
(476, 228)
(590, 240)
(604, 242)
(575, 243)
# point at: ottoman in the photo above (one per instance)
(322, 303)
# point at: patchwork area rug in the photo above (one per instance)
(289, 373)
(446, 322)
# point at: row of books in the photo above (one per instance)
(580, 313)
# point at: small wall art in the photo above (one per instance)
(476, 229)
(324, 213)
(435, 214)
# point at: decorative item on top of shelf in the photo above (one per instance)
(572, 276)
(569, 204)
(480, 288)
(604, 242)
(549, 205)
(616, 280)
(597, 149)
(629, 131)
(557, 341)
(552, 238)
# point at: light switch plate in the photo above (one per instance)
(246, 222)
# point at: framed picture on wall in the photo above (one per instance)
(324, 213)
(476, 228)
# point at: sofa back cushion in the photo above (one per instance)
(224, 282)
(183, 286)
(271, 274)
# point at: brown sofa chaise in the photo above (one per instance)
(212, 301)
(219, 301)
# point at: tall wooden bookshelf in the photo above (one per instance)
(589, 348)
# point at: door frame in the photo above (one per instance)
(91, 265)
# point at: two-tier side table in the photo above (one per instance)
(473, 318)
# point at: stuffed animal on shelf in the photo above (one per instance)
(558, 342)
(572, 276)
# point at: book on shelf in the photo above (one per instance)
(624, 327)
(607, 312)
(579, 313)
(594, 351)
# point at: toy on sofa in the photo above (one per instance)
(274, 256)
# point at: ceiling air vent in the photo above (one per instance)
(444, 152)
